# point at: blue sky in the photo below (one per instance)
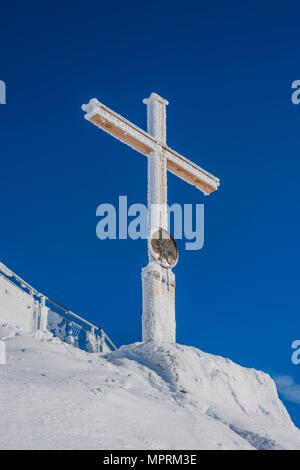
(226, 70)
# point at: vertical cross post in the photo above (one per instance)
(158, 318)
(157, 164)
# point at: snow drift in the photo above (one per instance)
(143, 396)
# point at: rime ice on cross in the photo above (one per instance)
(158, 317)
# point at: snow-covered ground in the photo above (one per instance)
(143, 396)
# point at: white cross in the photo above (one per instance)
(158, 282)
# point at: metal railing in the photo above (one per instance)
(98, 334)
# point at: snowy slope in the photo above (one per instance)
(143, 396)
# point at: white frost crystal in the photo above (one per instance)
(158, 318)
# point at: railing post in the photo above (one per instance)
(43, 314)
(35, 314)
(70, 337)
(91, 343)
(98, 339)
(102, 341)
(2, 353)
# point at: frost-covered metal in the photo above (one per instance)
(158, 316)
(145, 143)
(22, 306)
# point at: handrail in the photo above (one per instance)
(8, 272)
(72, 313)
(109, 340)
(69, 312)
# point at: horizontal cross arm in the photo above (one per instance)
(119, 127)
(132, 135)
(190, 172)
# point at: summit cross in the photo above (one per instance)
(158, 281)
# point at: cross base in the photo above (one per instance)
(158, 317)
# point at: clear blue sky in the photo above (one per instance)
(226, 69)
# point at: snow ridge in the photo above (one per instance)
(143, 396)
(237, 397)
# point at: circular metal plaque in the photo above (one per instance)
(164, 248)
